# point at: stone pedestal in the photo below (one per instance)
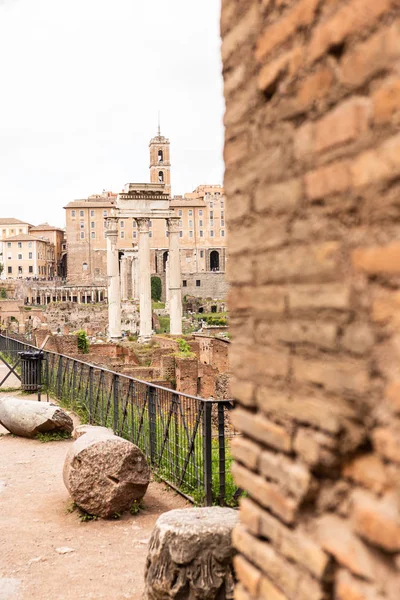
(175, 291)
(114, 292)
(145, 329)
(190, 555)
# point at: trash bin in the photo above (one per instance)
(31, 370)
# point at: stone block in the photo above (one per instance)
(367, 470)
(334, 178)
(387, 443)
(246, 452)
(291, 477)
(344, 124)
(260, 428)
(377, 521)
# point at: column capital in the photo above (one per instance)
(111, 225)
(143, 224)
(173, 224)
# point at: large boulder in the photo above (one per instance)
(105, 474)
(27, 418)
(190, 555)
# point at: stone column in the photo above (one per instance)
(114, 292)
(175, 292)
(145, 329)
(135, 273)
(167, 284)
(124, 278)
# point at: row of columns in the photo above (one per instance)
(48, 295)
(140, 274)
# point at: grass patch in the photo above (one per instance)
(9, 389)
(164, 325)
(53, 436)
(157, 305)
(83, 516)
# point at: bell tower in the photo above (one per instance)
(160, 165)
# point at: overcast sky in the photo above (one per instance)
(81, 83)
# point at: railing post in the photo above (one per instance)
(116, 402)
(59, 377)
(90, 395)
(151, 407)
(207, 453)
(175, 400)
(221, 451)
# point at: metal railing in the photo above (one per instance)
(186, 439)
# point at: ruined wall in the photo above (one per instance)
(312, 155)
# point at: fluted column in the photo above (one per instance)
(124, 279)
(175, 291)
(145, 328)
(167, 284)
(114, 292)
(135, 273)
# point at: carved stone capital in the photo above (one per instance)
(143, 224)
(173, 224)
(111, 225)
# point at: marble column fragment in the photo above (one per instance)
(114, 291)
(175, 291)
(145, 327)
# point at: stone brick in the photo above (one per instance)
(337, 539)
(235, 79)
(392, 395)
(300, 264)
(387, 443)
(343, 124)
(303, 298)
(268, 301)
(239, 34)
(241, 593)
(247, 574)
(250, 515)
(355, 16)
(358, 338)
(260, 428)
(335, 375)
(243, 391)
(315, 448)
(377, 521)
(271, 73)
(303, 143)
(239, 206)
(377, 165)
(263, 237)
(332, 179)
(313, 411)
(270, 591)
(235, 150)
(348, 587)
(367, 470)
(378, 259)
(301, 15)
(267, 494)
(260, 365)
(292, 477)
(314, 87)
(239, 270)
(370, 57)
(386, 101)
(316, 333)
(278, 198)
(246, 452)
(278, 570)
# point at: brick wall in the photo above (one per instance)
(312, 154)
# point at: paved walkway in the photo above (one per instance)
(11, 382)
(105, 559)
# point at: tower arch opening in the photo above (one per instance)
(214, 260)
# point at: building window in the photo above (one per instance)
(81, 213)
(12, 230)
(160, 177)
(222, 204)
(92, 224)
(211, 214)
(19, 244)
(29, 244)
(92, 213)
(184, 283)
(9, 269)
(190, 234)
(150, 234)
(222, 223)
(179, 213)
(21, 231)
(30, 269)
(201, 223)
(134, 224)
(105, 213)
(190, 213)
(211, 204)
(93, 235)
(160, 156)
(82, 225)
(190, 223)
(197, 282)
(73, 213)
(134, 234)
(201, 253)
(30, 255)
(180, 234)
(150, 223)
(84, 266)
(122, 224)
(222, 233)
(82, 235)
(122, 234)
(200, 213)
(212, 223)
(105, 235)
(19, 256)
(8, 244)
(19, 270)
(201, 233)
(211, 233)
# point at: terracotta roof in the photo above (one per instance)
(90, 204)
(45, 227)
(12, 221)
(23, 237)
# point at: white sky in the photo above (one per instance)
(81, 83)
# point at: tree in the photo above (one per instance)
(83, 342)
(156, 289)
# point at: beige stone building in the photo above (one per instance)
(56, 237)
(25, 255)
(202, 235)
(9, 226)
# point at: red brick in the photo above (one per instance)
(267, 494)
(250, 515)
(376, 165)
(236, 150)
(292, 477)
(258, 427)
(242, 391)
(260, 364)
(392, 395)
(332, 179)
(301, 15)
(314, 87)
(315, 448)
(306, 298)
(303, 142)
(263, 236)
(269, 591)
(238, 207)
(378, 259)
(240, 270)
(285, 65)
(348, 587)
(278, 198)
(246, 452)
(337, 539)
(386, 101)
(239, 34)
(367, 470)
(343, 124)
(355, 16)
(268, 301)
(316, 333)
(387, 443)
(335, 375)
(358, 338)
(234, 79)
(247, 574)
(241, 593)
(377, 521)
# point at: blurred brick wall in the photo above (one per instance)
(312, 153)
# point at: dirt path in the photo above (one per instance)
(108, 557)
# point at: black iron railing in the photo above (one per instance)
(186, 439)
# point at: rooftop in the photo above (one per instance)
(12, 221)
(45, 227)
(24, 237)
